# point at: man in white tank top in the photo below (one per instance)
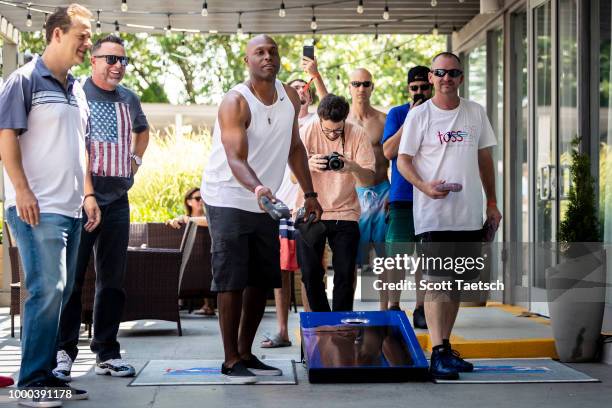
(255, 136)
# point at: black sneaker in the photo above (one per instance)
(70, 394)
(259, 368)
(238, 373)
(441, 367)
(418, 318)
(43, 401)
(456, 361)
(395, 308)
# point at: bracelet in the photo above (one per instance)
(259, 187)
(88, 195)
(491, 203)
(310, 194)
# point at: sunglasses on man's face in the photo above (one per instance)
(441, 73)
(112, 59)
(357, 84)
(424, 87)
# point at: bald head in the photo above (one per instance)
(262, 58)
(360, 74)
(361, 85)
(259, 40)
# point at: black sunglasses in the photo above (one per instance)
(112, 59)
(424, 87)
(441, 73)
(365, 84)
(198, 198)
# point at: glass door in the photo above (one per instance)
(545, 155)
(518, 246)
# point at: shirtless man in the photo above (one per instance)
(371, 198)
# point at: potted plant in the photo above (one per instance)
(576, 285)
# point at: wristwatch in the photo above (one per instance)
(310, 194)
(137, 160)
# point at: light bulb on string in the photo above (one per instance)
(281, 11)
(360, 7)
(434, 3)
(29, 19)
(239, 25)
(376, 32)
(386, 12)
(117, 30)
(98, 24)
(124, 6)
(435, 29)
(205, 9)
(461, 1)
(313, 21)
(168, 27)
(314, 38)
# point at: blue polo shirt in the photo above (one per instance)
(52, 123)
(401, 189)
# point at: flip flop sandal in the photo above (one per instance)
(274, 342)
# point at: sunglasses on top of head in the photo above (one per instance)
(424, 87)
(112, 59)
(365, 84)
(441, 73)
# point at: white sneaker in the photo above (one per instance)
(116, 367)
(64, 365)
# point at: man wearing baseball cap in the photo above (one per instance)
(400, 232)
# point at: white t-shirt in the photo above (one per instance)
(287, 192)
(444, 145)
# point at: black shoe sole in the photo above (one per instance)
(444, 377)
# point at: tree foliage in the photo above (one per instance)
(204, 67)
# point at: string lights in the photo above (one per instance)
(29, 18)
(386, 12)
(98, 24)
(281, 11)
(117, 30)
(239, 26)
(168, 27)
(434, 3)
(313, 21)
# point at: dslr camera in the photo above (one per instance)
(334, 161)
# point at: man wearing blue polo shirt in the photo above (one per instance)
(400, 233)
(44, 119)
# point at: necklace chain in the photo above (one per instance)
(261, 99)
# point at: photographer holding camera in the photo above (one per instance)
(340, 158)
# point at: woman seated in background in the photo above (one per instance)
(194, 210)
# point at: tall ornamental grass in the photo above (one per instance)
(171, 165)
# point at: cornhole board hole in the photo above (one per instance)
(340, 347)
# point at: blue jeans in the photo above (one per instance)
(48, 253)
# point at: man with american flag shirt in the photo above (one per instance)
(118, 138)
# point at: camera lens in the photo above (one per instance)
(335, 163)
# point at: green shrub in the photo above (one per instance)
(171, 165)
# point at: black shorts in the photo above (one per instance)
(450, 255)
(245, 249)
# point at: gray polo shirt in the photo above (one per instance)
(52, 123)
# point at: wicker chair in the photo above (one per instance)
(195, 282)
(152, 280)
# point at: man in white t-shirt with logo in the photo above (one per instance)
(447, 140)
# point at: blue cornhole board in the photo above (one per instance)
(380, 369)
